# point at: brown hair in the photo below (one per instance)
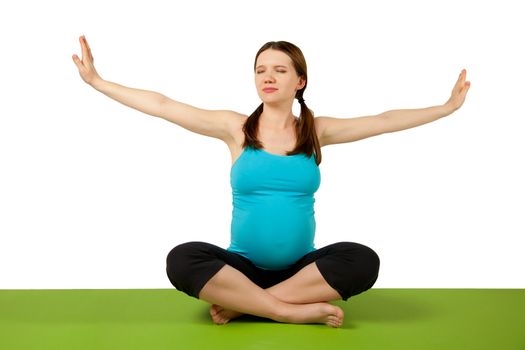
(307, 141)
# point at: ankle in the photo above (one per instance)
(284, 312)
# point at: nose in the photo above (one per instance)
(268, 78)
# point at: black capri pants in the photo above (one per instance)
(350, 268)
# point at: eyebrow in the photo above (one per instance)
(278, 65)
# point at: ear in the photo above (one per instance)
(302, 83)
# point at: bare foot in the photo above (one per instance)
(220, 315)
(328, 314)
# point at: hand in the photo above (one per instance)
(85, 67)
(459, 92)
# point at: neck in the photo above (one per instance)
(277, 117)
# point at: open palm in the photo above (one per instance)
(459, 92)
(86, 69)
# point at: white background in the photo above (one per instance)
(94, 194)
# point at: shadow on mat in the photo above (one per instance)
(381, 306)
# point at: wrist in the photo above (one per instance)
(449, 108)
(96, 83)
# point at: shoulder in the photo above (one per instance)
(235, 122)
(320, 125)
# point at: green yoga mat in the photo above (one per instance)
(157, 319)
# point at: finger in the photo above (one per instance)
(77, 61)
(467, 86)
(89, 50)
(465, 90)
(87, 45)
(462, 75)
(461, 79)
(84, 49)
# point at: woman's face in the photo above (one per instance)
(274, 69)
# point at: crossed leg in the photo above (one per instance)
(303, 298)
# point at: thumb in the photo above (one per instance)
(76, 60)
(466, 87)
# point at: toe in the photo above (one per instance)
(331, 321)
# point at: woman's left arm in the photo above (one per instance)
(401, 119)
(337, 130)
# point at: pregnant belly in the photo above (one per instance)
(272, 239)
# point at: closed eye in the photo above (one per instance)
(279, 71)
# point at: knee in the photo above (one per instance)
(177, 260)
(175, 254)
(370, 267)
(372, 261)
(366, 259)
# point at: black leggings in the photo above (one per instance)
(350, 268)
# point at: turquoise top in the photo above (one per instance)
(273, 223)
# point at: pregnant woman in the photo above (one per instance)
(271, 268)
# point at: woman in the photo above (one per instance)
(271, 268)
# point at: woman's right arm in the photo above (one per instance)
(145, 101)
(213, 123)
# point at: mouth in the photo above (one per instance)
(269, 89)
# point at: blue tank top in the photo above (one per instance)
(273, 223)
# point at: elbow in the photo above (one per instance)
(386, 124)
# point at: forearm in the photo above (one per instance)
(401, 119)
(146, 101)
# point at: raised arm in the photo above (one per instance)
(337, 130)
(213, 123)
